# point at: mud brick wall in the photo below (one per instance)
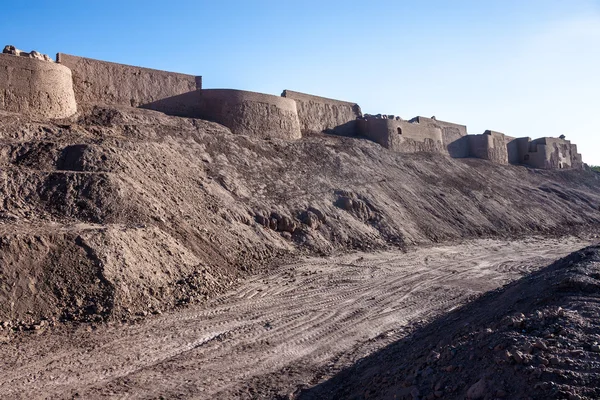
(101, 82)
(402, 136)
(320, 114)
(245, 113)
(454, 135)
(552, 153)
(489, 146)
(36, 87)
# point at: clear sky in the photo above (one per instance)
(522, 67)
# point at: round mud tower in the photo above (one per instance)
(249, 113)
(35, 87)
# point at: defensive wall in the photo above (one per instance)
(490, 145)
(245, 113)
(546, 153)
(52, 90)
(102, 82)
(402, 136)
(36, 87)
(433, 135)
(453, 135)
(320, 114)
(515, 147)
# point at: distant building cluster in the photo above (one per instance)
(32, 83)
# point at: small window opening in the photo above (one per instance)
(399, 131)
(526, 158)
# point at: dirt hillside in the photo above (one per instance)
(280, 332)
(122, 212)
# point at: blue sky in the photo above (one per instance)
(525, 68)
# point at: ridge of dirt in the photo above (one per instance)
(123, 212)
(537, 338)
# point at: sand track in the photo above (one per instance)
(274, 333)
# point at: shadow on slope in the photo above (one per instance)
(535, 338)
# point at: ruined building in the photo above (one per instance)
(31, 83)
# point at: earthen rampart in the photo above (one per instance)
(36, 87)
(320, 114)
(102, 82)
(490, 145)
(549, 153)
(453, 135)
(515, 147)
(402, 136)
(245, 113)
(29, 84)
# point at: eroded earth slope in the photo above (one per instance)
(124, 212)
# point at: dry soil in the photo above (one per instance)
(122, 212)
(143, 255)
(276, 334)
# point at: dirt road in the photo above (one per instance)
(275, 333)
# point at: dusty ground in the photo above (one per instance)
(276, 334)
(538, 338)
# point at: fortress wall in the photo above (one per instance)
(552, 153)
(546, 153)
(416, 137)
(245, 113)
(515, 148)
(455, 142)
(453, 135)
(319, 114)
(36, 87)
(478, 146)
(577, 161)
(376, 130)
(560, 153)
(402, 136)
(489, 146)
(461, 130)
(102, 82)
(498, 152)
(535, 154)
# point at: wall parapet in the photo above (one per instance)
(103, 82)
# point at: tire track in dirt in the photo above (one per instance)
(301, 315)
